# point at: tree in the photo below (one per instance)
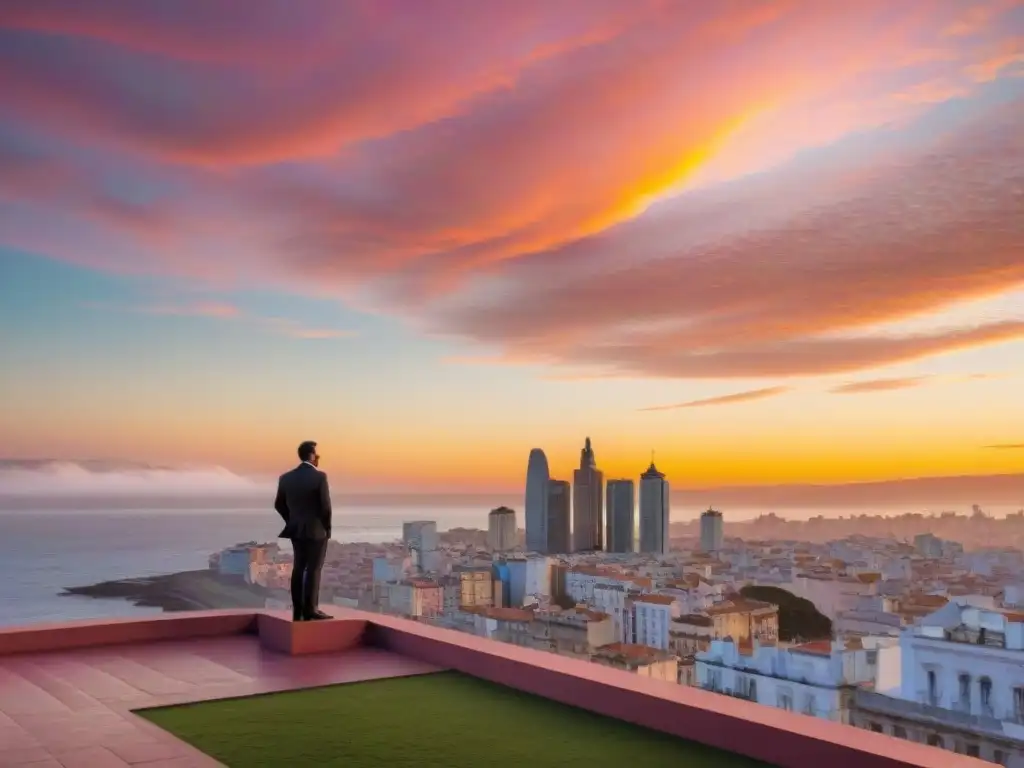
(799, 620)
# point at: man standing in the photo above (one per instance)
(304, 501)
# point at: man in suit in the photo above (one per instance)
(304, 502)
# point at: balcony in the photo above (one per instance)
(70, 694)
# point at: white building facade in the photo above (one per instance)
(815, 679)
(962, 685)
(652, 619)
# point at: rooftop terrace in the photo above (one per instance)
(69, 693)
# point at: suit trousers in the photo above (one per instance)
(308, 562)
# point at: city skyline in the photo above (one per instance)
(780, 244)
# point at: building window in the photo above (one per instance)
(973, 750)
(899, 732)
(786, 702)
(809, 705)
(1018, 704)
(876, 727)
(998, 757)
(934, 740)
(933, 687)
(965, 686)
(985, 689)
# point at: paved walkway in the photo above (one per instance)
(73, 709)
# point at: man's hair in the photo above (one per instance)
(306, 450)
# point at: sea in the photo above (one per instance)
(42, 552)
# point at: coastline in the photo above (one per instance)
(184, 591)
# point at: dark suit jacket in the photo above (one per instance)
(304, 502)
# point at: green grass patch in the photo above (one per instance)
(442, 720)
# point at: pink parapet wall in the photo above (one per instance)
(290, 655)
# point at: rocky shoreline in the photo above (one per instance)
(186, 591)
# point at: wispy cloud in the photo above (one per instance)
(878, 385)
(1006, 447)
(224, 311)
(198, 309)
(736, 397)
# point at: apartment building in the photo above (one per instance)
(575, 632)
(579, 582)
(477, 587)
(741, 620)
(815, 679)
(689, 635)
(961, 685)
(639, 659)
(652, 618)
(415, 598)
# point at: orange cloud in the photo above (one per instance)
(526, 175)
(1006, 447)
(737, 397)
(877, 385)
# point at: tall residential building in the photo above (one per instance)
(587, 503)
(654, 511)
(711, 531)
(420, 536)
(501, 529)
(537, 476)
(620, 515)
(559, 505)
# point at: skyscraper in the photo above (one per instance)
(587, 503)
(654, 512)
(536, 511)
(711, 531)
(501, 529)
(559, 503)
(620, 515)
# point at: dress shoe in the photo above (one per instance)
(298, 617)
(318, 616)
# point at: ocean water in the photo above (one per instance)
(43, 552)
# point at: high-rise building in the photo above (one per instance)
(559, 506)
(587, 503)
(654, 512)
(501, 529)
(711, 534)
(620, 515)
(420, 536)
(536, 511)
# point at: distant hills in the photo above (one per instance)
(103, 483)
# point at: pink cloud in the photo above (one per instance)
(512, 175)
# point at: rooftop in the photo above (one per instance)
(69, 692)
(631, 655)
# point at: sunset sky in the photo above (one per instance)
(774, 242)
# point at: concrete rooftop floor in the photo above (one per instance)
(74, 708)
